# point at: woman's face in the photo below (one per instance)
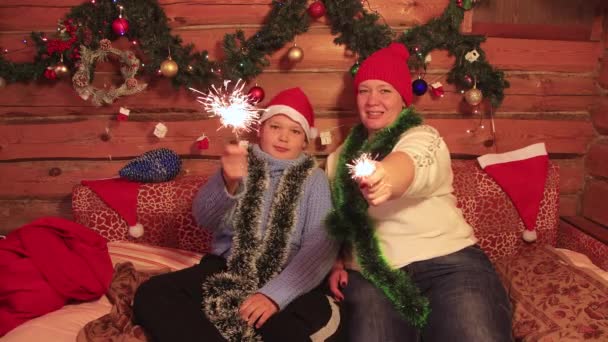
(379, 104)
(282, 138)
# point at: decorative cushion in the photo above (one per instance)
(155, 166)
(164, 209)
(493, 216)
(552, 299)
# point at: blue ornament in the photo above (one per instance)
(419, 87)
(160, 165)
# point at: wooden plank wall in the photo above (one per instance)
(50, 139)
(594, 207)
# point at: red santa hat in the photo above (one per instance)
(522, 175)
(294, 104)
(388, 64)
(120, 195)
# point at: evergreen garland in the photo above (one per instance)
(356, 28)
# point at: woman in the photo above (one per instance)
(270, 250)
(411, 268)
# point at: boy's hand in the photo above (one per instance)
(234, 166)
(258, 308)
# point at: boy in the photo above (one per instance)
(266, 208)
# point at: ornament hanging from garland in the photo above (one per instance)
(129, 64)
(169, 68)
(50, 74)
(419, 87)
(437, 89)
(473, 96)
(61, 70)
(295, 54)
(120, 25)
(316, 10)
(2, 82)
(256, 94)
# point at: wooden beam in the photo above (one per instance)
(88, 138)
(530, 93)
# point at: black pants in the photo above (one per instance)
(169, 308)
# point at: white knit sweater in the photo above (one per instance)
(424, 223)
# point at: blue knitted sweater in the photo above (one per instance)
(311, 252)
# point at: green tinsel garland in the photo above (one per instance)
(245, 58)
(350, 222)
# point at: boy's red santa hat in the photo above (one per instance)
(120, 195)
(522, 175)
(294, 104)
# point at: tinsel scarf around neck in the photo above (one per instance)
(254, 259)
(350, 222)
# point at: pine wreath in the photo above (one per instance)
(129, 64)
(245, 58)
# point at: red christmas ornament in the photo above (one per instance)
(123, 114)
(256, 94)
(202, 143)
(50, 74)
(437, 89)
(120, 26)
(316, 10)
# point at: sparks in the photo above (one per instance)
(361, 167)
(230, 105)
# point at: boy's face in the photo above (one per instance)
(282, 138)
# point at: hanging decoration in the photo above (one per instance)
(256, 94)
(473, 96)
(2, 82)
(437, 89)
(61, 70)
(202, 142)
(129, 64)
(355, 28)
(419, 86)
(50, 73)
(295, 54)
(168, 67)
(120, 25)
(123, 114)
(316, 10)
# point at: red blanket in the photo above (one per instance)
(48, 263)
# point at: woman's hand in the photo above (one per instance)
(376, 188)
(257, 309)
(338, 279)
(234, 166)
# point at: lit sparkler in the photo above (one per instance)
(232, 106)
(362, 167)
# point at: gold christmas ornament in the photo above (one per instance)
(61, 70)
(2, 82)
(473, 96)
(168, 68)
(295, 54)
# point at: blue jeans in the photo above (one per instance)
(468, 303)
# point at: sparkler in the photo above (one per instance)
(232, 106)
(362, 167)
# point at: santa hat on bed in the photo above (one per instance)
(121, 195)
(522, 175)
